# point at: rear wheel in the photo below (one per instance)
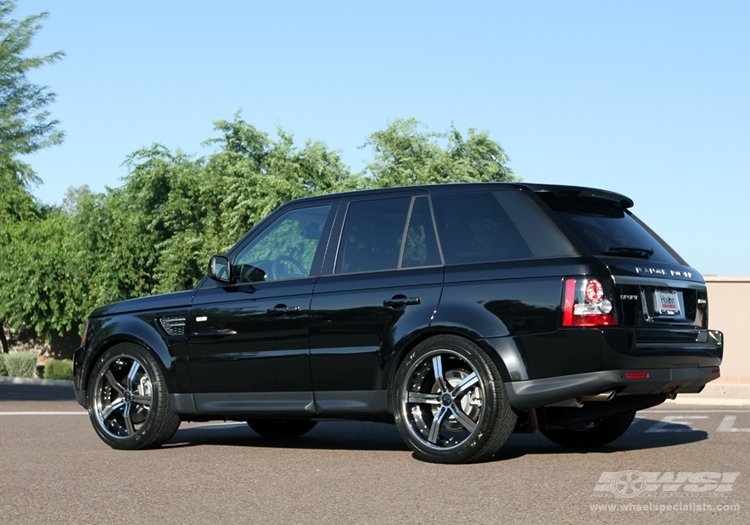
(595, 434)
(449, 402)
(281, 428)
(128, 399)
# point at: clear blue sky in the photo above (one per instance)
(647, 98)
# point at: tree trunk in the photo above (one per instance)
(3, 340)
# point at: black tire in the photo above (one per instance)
(596, 434)
(449, 402)
(281, 428)
(128, 400)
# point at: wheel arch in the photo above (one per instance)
(499, 349)
(134, 331)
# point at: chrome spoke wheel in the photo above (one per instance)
(128, 399)
(122, 396)
(449, 401)
(443, 399)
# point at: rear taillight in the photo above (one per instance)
(587, 302)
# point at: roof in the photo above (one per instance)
(458, 187)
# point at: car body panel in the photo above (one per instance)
(354, 335)
(237, 343)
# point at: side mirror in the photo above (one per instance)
(219, 269)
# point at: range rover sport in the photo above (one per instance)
(461, 312)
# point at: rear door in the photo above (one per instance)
(382, 287)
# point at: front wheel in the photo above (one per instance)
(595, 434)
(128, 399)
(449, 402)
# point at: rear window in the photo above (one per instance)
(610, 230)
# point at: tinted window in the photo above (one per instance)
(372, 235)
(537, 228)
(473, 227)
(285, 249)
(607, 229)
(421, 248)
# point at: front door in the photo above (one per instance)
(250, 338)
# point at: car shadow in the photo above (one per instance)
(643, 434)
(355, 435)
(327, 435)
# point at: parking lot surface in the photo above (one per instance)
(676, 464)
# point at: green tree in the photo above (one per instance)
(406, 153)
(198, 207)
(25, 124)
(25, 127)
(156, 232)
(16, 203)
(262, 173)
(43, 278)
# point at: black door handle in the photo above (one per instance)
(399, 301)
(282, 309)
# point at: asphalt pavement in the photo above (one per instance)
(677, 463)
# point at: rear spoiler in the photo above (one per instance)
(582, 193)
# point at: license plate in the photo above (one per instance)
(667, 302)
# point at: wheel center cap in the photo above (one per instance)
(128, 396)
(446, 399)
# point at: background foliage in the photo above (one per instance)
(155, 233)
(58, 369)
(20, 364)
(25, 127)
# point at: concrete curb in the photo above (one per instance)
(33, 381)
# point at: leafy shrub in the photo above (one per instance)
(20, 364)
(58, 369)
(3, 371)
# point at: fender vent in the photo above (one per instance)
(173, 325)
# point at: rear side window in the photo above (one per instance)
(374, 232)
(610, 230)
(372, 235)
(473, 227)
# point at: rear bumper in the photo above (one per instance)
(572, 351)
(660, 381)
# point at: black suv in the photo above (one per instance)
(462, 312)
